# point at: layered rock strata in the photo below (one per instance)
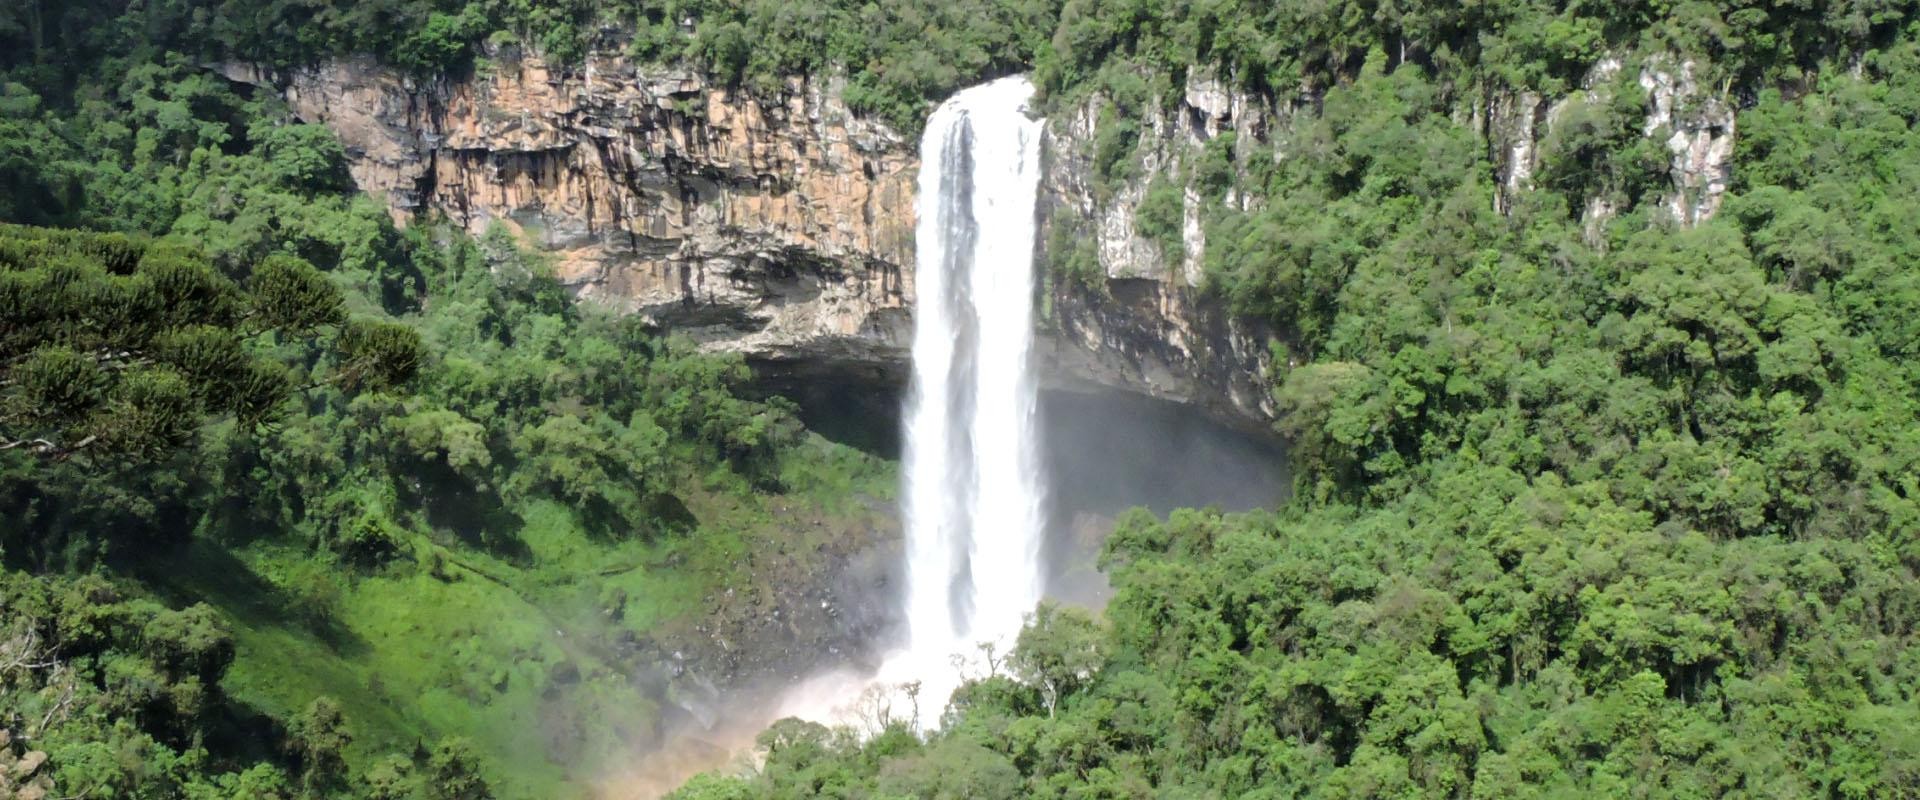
(780, 226)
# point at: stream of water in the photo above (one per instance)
(974, 490)
(974, 487)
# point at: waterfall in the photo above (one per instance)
(973, 485)
(973, 481)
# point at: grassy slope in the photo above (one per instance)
(473, 651)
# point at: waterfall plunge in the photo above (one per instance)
(973, 486)
(973, 482)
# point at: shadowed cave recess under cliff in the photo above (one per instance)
(1105, 451)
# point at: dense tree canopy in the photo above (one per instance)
(900, 55)
(240, 408)
(121, 345)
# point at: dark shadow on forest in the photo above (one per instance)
(245, 735)
(671, 516)
(857, 405)
(479, 517)
(205, 572)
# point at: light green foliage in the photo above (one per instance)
(1058, 651)
(714, 787)
(303, 158)
(615, 469)
(1162, 217)
(951, 769)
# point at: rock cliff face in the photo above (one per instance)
(1143, 323)
(1147, 327)
(778, 228)
(1694, 122)
(782, 227)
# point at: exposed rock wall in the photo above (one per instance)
(1148, 327)
(1694, 121)
(1144, 324)
(782, 227)
(1697, 124)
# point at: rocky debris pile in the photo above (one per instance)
(22, 773)
(821, 594)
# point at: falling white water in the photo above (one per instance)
(973, 482)
(974, 487)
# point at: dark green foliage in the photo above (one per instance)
(319, 740)
(1597, 150)
(148, 413)
(114, 689)
(126, 346)
(1114, 143)
(378, 355)
(1073, 256)
(452, 773)
(289, 294)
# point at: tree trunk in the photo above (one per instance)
(36, 31)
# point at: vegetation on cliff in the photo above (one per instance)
(899, 56)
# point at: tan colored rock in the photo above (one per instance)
(778, 227)
(781, 228)
(29, 764)
(20, 775)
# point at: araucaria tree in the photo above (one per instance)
(116, 344)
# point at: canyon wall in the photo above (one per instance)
(781, 226)
(1143, 322)
(778, 228)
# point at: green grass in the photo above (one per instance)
(413, 653)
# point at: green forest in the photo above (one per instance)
(1626, 510)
